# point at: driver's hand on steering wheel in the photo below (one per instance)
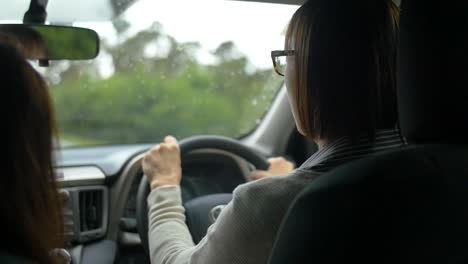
(161, 164)
(278, 166)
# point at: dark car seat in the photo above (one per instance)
(410, 205)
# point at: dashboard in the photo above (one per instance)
(102, 185)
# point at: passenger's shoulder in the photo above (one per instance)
(12, 259)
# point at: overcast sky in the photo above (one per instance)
(256, 28)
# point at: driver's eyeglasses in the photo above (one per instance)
(279, 60)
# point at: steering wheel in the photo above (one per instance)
(202, 211)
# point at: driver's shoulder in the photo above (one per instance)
(274, 191)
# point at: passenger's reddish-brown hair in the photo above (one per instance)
(32, 222)
(345, 60)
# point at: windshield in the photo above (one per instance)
(172, 67)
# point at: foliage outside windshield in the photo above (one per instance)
(161, 70)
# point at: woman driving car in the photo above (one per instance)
(339, 65)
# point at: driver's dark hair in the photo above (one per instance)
(345, 56)
(31, 221)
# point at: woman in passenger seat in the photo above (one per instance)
(340, 77)
(31, 221)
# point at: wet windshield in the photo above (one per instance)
(172, 67)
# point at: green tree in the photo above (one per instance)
(148, 97)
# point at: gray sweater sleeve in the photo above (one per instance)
(169, 238)
(243, 233)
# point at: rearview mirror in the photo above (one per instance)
(48, 42)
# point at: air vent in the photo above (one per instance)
(91, 210)
(85, 213)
